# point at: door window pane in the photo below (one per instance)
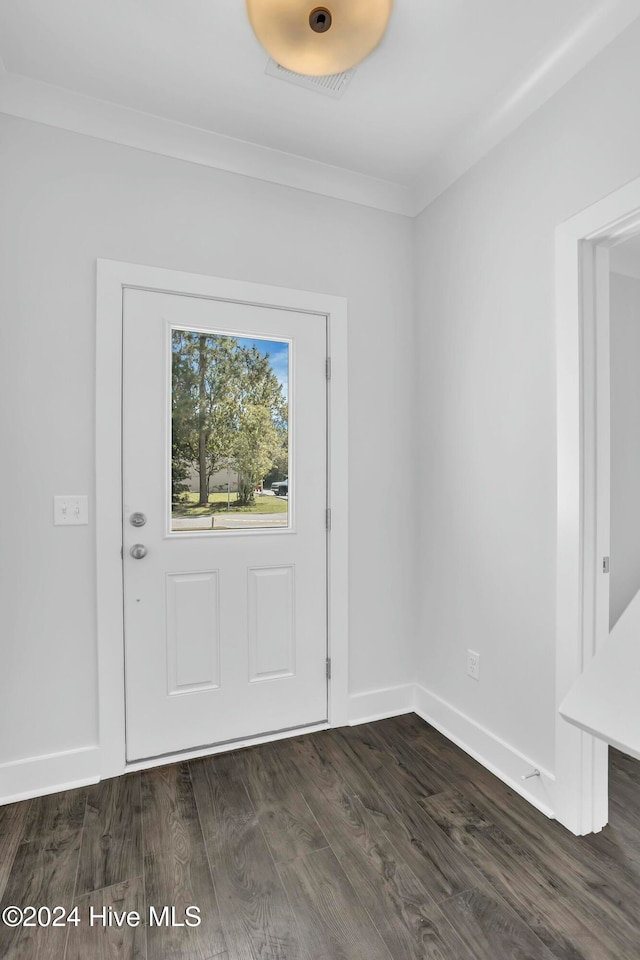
(229, 432)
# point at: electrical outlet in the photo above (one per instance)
(473, 664)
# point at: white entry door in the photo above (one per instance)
(225, 603)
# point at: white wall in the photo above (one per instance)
(65, 200)
(487, 433)
(624, 580)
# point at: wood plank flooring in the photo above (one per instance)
(378, 842)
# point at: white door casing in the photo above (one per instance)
(582, 610)
(113, 279)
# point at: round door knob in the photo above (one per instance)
(138, 551)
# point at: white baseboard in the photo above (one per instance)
(499, 757)
(380, 704)
(39, 776)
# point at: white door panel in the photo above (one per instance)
(225, 627)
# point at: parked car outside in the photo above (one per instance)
(281, 487)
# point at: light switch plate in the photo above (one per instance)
(71, 510)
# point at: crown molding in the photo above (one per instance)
(539, 84)
(57, 107)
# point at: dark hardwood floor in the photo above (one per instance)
(378, 842)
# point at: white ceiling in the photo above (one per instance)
(450, 78)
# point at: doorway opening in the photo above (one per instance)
(584, 248)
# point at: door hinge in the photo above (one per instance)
(605, 564)
(328, 518)
(328, 368)
(328, 668)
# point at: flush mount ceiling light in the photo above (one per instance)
(319, 39)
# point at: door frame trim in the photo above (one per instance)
(112, 278)
(582, 358)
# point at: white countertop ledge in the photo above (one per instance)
(605, 700)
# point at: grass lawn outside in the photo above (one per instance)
(218, 504)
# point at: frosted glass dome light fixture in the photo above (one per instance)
(319, 39)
